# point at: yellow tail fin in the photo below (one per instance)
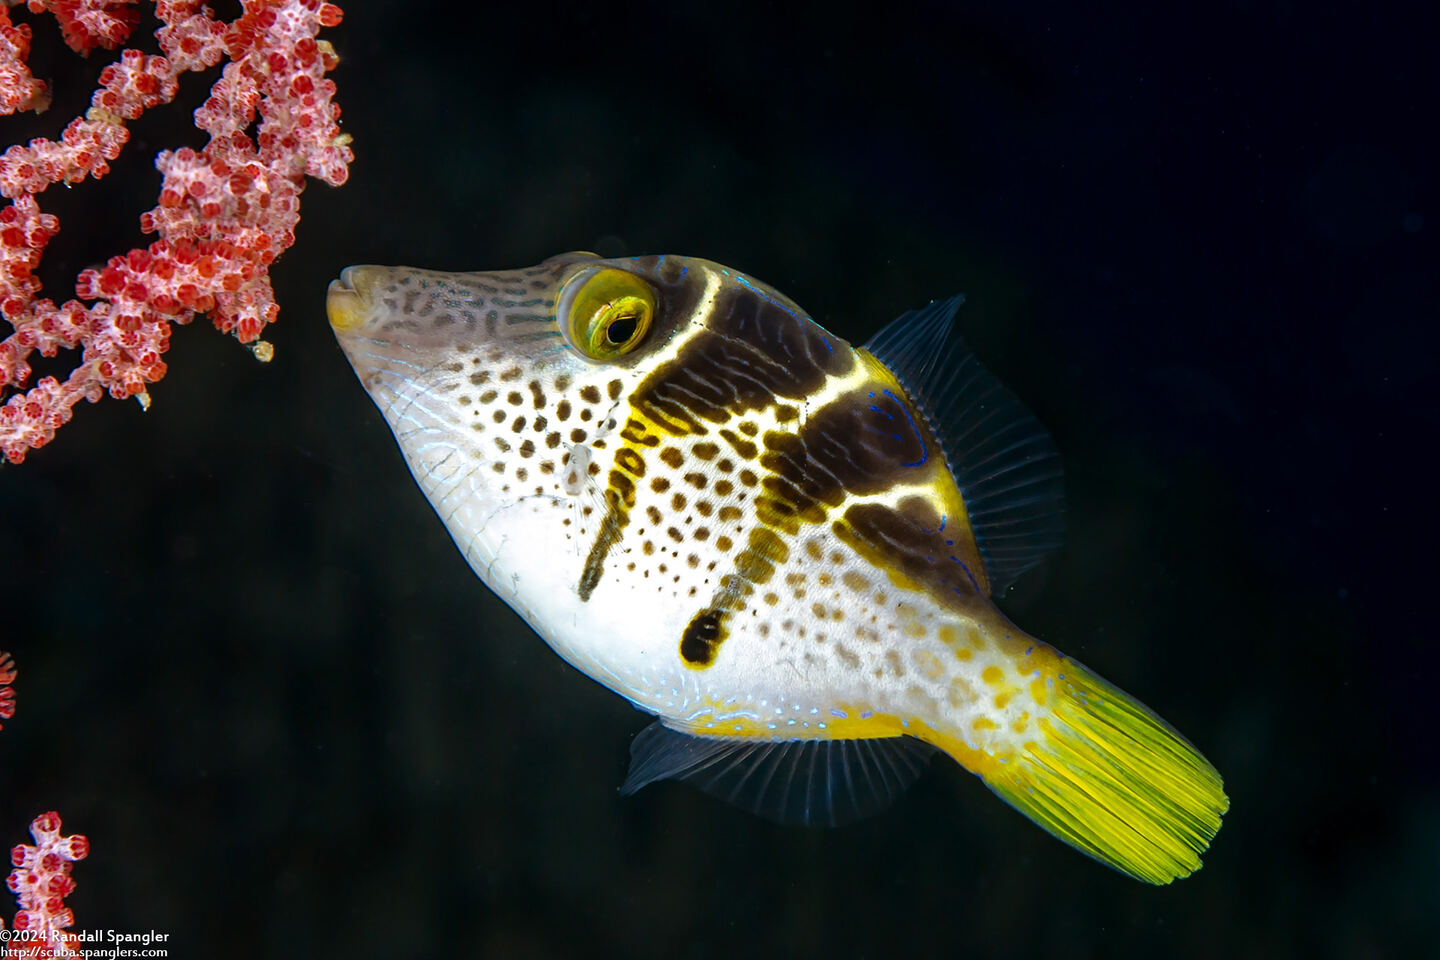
(1114, 781)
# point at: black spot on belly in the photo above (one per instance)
(702, 638)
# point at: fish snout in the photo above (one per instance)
(348, 301)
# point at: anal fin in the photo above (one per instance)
(810, 782)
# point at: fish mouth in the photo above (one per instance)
(347, 301)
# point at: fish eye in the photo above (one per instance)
(605, 313)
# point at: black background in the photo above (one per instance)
(1200, 245)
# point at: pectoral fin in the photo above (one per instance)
(1003, 460)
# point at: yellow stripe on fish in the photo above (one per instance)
(781, 545)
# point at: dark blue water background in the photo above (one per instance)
(1200, 245)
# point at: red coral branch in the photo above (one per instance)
(7, 692)
(87, 24)
(225, 212)
(41, 881)
(19, 90)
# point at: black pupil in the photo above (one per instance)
(621, 329)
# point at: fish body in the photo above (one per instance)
(783, 546)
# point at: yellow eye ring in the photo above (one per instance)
(605, 313)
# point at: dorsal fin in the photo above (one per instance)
(1002, 459)
(813, 782)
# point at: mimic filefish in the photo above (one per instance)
(783, 546)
